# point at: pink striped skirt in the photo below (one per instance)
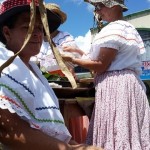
(121, 116)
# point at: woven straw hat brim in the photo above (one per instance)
(54, 20)
(93, 2)
(58, 12)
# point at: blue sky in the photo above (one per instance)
(80, 16)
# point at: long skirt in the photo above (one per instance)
(121, 116)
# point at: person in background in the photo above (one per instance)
(29, 116)
(61, 39)
(121, 115)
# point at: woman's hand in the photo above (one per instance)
(69, 49)
(76, 146)
(67, 57)
(84, 147)
(73, 142)
(73, 50)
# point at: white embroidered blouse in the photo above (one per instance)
(30, 97)
(122, 36)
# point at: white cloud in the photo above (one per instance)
(78, 1)
(84, 42)
(90, 7)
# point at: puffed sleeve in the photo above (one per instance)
(116, 35)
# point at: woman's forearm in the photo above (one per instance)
(80, 52)
(17, 134)
(96, 66)
(73, 49)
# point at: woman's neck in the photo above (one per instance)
(116, 14)
(115, 18)
(25, 60)
(52, 35)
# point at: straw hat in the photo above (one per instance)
(109, 3)
(9, 8)
(56, 9)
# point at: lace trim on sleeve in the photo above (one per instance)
(12, 106)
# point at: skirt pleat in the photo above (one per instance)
(121, 116)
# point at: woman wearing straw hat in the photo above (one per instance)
(29, 111)
(121, 116)
(60, 38)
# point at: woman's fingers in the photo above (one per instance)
(84, 147)
(68, 49)
(66, 57)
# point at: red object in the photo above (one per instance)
(58, 72)
(78, 127)
(8, 8)
(9, 4)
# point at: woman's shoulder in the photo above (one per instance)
(63, 34)
(121, 24)
(119, 27)
(62, 37)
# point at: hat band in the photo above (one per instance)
(10, 4)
